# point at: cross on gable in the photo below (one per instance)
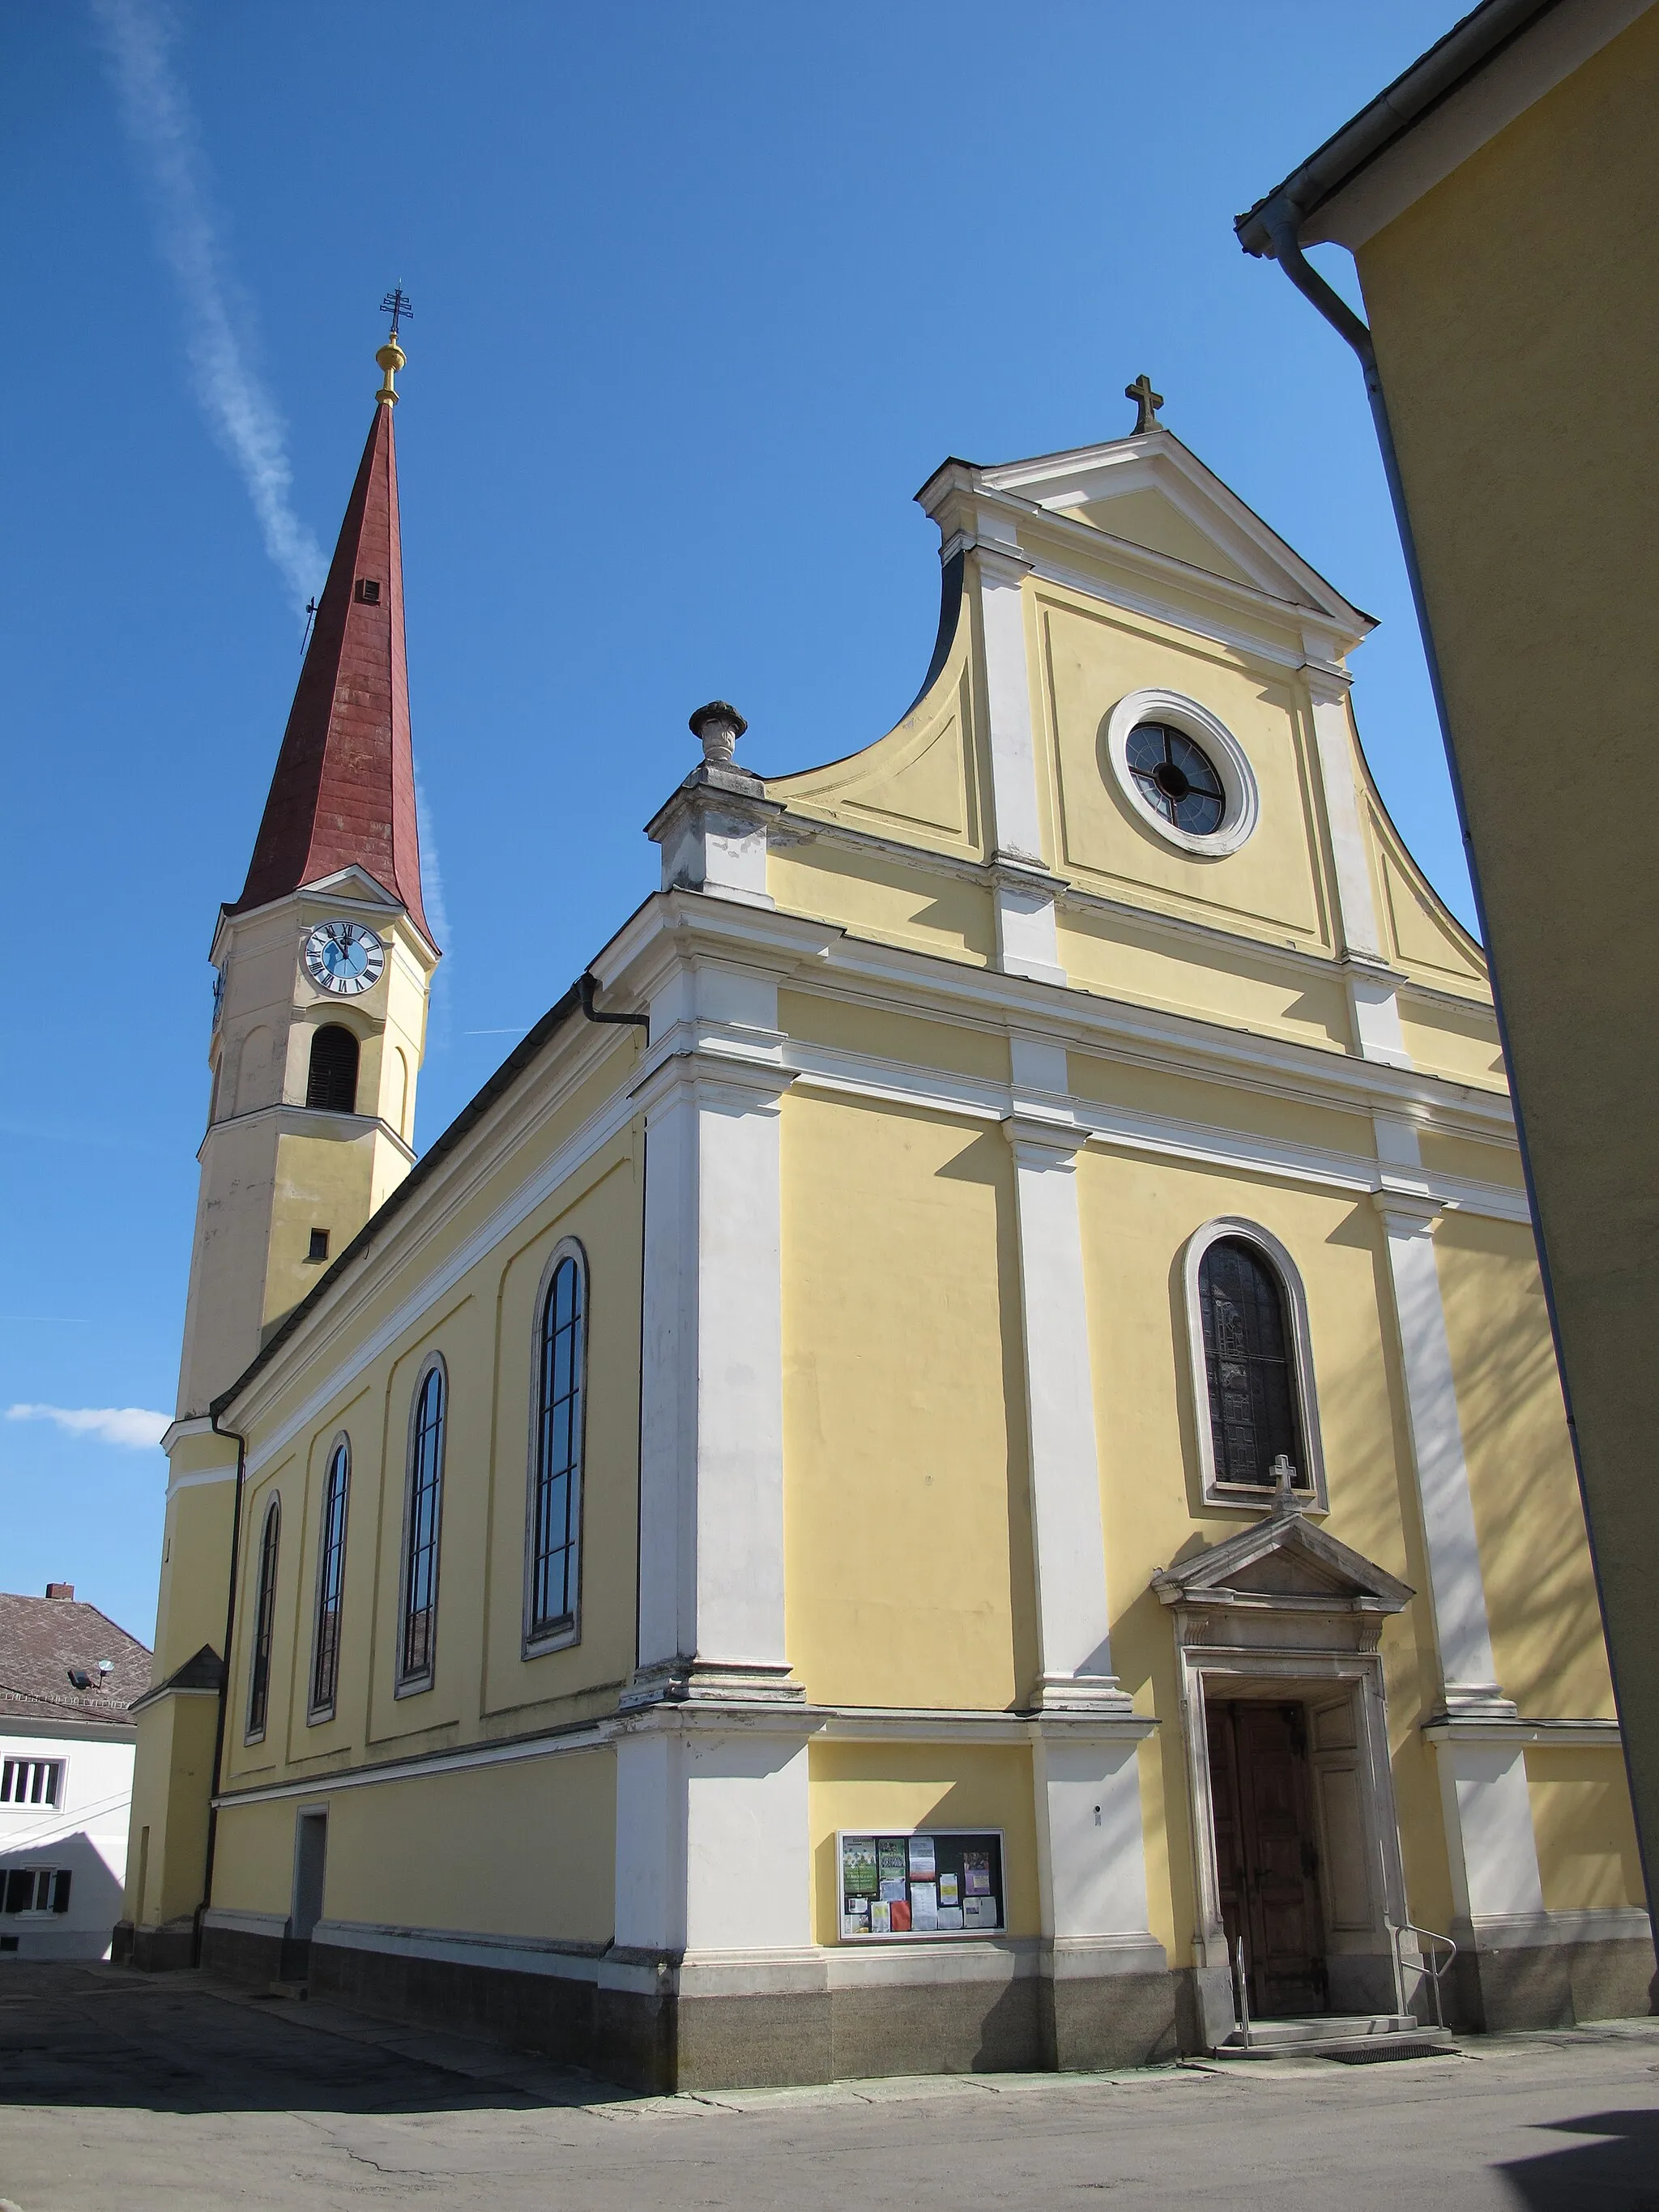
(1147, 402)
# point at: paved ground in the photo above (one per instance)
(124, 2093)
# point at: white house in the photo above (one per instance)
(68, 1678)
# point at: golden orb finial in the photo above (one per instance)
(390, 359)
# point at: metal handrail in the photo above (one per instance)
(1433, 1966)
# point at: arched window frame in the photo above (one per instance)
(537, 1640)
(267, 1560)
(322, 1699)
(412, 1680)
(1243, 1497)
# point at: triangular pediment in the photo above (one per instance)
(353, 882)
(1284, 1557)
(1151, 491)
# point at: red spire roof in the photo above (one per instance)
(343, 792)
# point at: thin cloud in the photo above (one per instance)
(432, 876)
(135, 1427)
(432, 892)
(156, 111)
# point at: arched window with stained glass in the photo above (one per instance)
(1253, 1362)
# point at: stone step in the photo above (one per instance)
(1354, 2037)
(1318, 2027)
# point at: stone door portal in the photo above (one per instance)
(1267, 1858)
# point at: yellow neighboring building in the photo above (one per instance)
(1501, 200)
(964, 1435)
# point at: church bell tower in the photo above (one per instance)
(322, 969)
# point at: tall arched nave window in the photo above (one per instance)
(554, 1561)
(423, 1514)
(330, 1581)
(265, 1623)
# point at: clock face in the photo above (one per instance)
(343, 957)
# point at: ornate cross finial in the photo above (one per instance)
(1286, 1500)
(391, 357)
(1147, 402)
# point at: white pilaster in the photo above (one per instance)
(1490, 1841)
(1091, 1857)
(1457, 1588)
(1027, 944)
(1067, 1534)
(1373, 1006)
(1090, 1848)
(1356, 919)
(713, 1843)
(711, 1607)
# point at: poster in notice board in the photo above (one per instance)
(932, 1881)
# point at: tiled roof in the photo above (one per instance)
(43, 1640)
(343, 792)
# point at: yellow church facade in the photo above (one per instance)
(957, 1463)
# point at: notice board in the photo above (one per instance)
(900, 1884)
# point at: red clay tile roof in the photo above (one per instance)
(42, 1638)
(345, 786)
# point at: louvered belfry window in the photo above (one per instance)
(332, 1082)
(1253, 1404)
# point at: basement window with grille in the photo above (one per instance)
(32, 1781)
(368, 592)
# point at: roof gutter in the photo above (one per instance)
(1430, 81)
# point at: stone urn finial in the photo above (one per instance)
(719, 727)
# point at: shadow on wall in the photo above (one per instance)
(1618, 2169)
(94, 1893)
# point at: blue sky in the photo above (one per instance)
(702, 295)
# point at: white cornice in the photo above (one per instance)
(191, 1425)
(330, 893)
(1568, 1735)
(802, 828)
(820, 955)
(314, 1122)
(1077, 1120)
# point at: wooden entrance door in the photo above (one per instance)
(1266, 1859)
